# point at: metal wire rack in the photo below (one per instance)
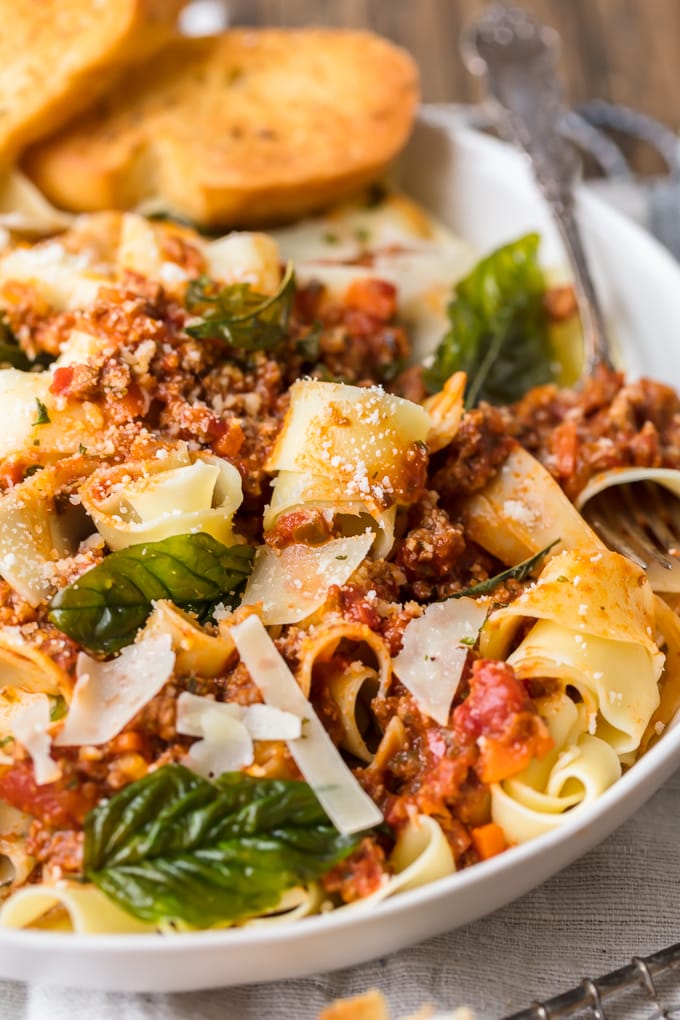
(645, 989)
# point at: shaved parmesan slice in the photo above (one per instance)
(146, 501)
(292, 583)
(348, 806)
(228, 731)
(226, 745)
(30, 725)
(265, 722)
(433, 653)
(107, 695)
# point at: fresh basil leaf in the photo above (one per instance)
(43, 417)
(499, 328)
(241, 316)
(10, 351)
(12, 354)
(106, 606)
(174, 847)
(520, 572)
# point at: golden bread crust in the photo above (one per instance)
(245, 128)
(372, 1005)
(56, 56)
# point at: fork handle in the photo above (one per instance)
(592, 320)
(527, 94)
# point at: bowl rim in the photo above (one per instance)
(645, 776)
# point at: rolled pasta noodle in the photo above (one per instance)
(25, 667)
(594, 630)
(15, 863)
(660, 578)
(421, 855)
(446, 411)
(196, 651)
(320, 646)
(347, 450)
(31, 418)
(68, 906)
(245, 257)
(294, 490)
(82, 908)
(146, 501)
(351, 689)
(238, 258)
(667, 627)
(575, 773)
(33, 533)
(295, 904)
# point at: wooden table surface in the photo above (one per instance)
(624, 51)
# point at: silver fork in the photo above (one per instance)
(642, 521)
(518, 58)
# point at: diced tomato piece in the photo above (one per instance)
(375, 297)
(12, 471)
(564, 444)
(61, 380)
(56, 804)
(499, 714)
(357, 607)
(495, 695)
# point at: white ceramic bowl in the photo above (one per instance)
(483, 190)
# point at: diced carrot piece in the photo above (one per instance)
(488, 840)
(500, 761)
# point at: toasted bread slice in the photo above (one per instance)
(246, 128)
(56, 56)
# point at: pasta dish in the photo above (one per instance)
(297, 609)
